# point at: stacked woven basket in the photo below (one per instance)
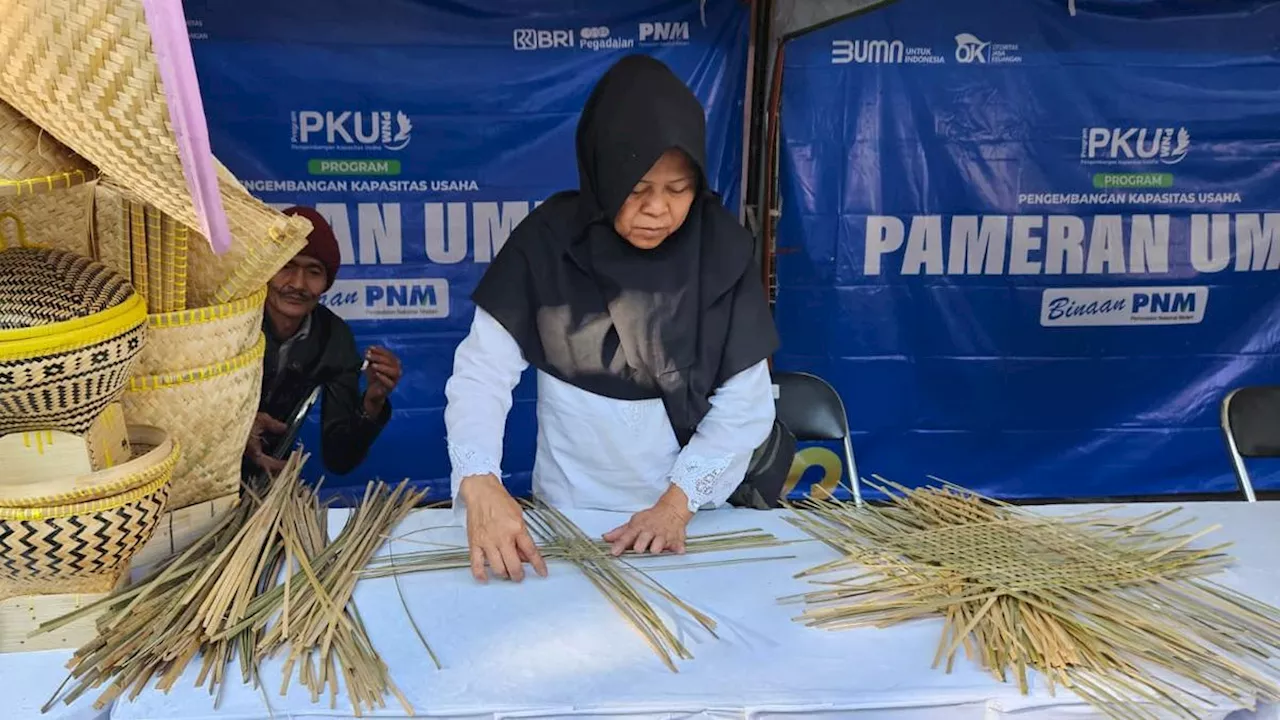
(130, 354)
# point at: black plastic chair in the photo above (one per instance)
(812, 410)
(1251, 423)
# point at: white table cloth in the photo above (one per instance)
(556, 648)
(28, 680)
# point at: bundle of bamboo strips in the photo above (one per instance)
(265, 579)
(617, 578)
(1117, 609)
(460, 557)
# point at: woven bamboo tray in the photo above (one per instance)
(210, 410)
(83, 547)
(192, 338)
(69, 332)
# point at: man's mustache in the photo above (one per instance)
(299, 295)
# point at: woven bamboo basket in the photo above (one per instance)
(46, 191)
(209, 410)
(69, 332)
(84, 546)
(46, 487)
(45, 461)
(192, 338)
(86, 71)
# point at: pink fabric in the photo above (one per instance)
(186, 113)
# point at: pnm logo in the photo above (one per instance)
(351, 128)
(969, 49)
(1133, 146)
(669, 33)
(530, 39)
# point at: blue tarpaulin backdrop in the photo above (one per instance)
(424, 131)
(1034, 251)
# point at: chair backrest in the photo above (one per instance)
(809, 407)
(1253, 419)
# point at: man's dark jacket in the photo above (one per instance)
(326, 356)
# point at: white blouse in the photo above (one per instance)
(596, 452)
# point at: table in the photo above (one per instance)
(555, 648)
(29, 679)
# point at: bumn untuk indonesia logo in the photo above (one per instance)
(351, 129)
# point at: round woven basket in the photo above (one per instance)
(191, 338)
(209, 410)
(96, 485)
(69, 332)
(47, 546)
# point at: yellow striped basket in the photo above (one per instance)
(70, 330)
(191, 338)
(209, 410)
(69, 543)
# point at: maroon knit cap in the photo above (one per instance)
(321, 243)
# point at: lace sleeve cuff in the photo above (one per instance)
(699, 477)
(468, 461)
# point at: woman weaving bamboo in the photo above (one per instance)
(637, 300)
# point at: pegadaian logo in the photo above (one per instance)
(351, 129)
(1134, 145)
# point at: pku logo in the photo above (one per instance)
(1134, 145)
(530, 39)
(969, 49)
(352, 128)
(664, 32)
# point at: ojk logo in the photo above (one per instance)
(351, 129)
(1130, 146)
(969, 49)
(530, 39)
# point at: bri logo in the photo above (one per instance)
(531, 39)
(1099, 307)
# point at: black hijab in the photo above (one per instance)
(587, 307)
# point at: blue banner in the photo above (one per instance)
(1034, 251)
(425, 131)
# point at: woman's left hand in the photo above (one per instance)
(658, 529)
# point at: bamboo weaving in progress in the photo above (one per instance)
(1118, 609)
(621, 581)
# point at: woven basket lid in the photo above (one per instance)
(41, 287)
(27, 153)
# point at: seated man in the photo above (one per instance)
(309, 346)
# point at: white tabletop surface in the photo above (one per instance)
(555, 647)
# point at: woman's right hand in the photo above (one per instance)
(496, 532)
